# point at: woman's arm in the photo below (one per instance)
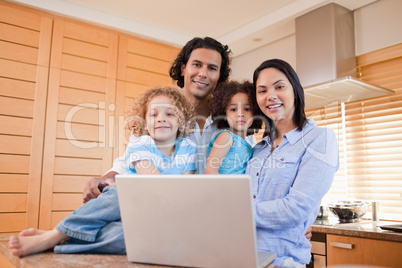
(219, 150)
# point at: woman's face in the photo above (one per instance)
(275, 96)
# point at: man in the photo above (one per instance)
(199, 68)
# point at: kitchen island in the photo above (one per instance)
(359, 243)
(49, 259)
(363, 229)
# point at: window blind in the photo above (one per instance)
(370, 139)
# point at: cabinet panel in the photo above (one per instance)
(13, 203)
(17, 88)
(148, 64)
(142, 64)
(150, 49)
(66, 202)
(82, 81)
(79, 114)
(79, 132)
(14, 15)
(83, 65)
(81, 148)
(18, 164)
(16, 107)
(85, 49)
(15, 126)
(19, 35)
(25, 37)
(77, 166)
(81, 87)
(74, 183)
(15, 145)
(14, 183)
(18, 70)
(12, 222)
(81, 97)
(353, 250)
(146, 78)
(18, 52)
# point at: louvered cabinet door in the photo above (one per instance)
(25, 38)
(143, 64)
(79, 133)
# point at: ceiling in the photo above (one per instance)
(243, 25)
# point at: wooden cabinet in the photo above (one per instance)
(64, 87)
(25, 39)
(353, 250)
(142, 64)
(82, 81)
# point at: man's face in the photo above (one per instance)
(201, 73)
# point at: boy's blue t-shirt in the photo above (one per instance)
(144, 148)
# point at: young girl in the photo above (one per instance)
(232, 110)
(159, 119)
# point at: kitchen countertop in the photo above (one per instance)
(363, 229)
(50, 259)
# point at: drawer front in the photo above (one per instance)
(353, 250)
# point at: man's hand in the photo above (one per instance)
(309, 233)
(94, 186)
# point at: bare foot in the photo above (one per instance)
(26, 245)
(31, 232)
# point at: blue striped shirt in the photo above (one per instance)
(144, 148)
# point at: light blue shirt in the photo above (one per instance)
(200, 138)
(144, 148)
(235, 162)
(288, 186)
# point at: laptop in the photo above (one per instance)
(190, 220)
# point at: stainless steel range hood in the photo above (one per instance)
(326, 61)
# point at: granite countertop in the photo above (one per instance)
(363, 229)
(50, 259)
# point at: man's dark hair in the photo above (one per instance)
(197, 42)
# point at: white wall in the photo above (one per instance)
(377, 26)
(244, 65)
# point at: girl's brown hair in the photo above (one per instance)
(135, 118)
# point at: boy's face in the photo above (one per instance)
(201, 73)
(161, 120)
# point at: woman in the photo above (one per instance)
(292, 167)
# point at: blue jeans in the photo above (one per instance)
(94, 227)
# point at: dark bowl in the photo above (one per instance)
(349, 210)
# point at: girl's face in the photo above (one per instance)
(239, 114)
(161, 120)
(275, 96)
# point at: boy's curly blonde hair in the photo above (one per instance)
(135, 118)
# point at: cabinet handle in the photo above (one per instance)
(341, 245)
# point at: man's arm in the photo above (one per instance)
(94, 187)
